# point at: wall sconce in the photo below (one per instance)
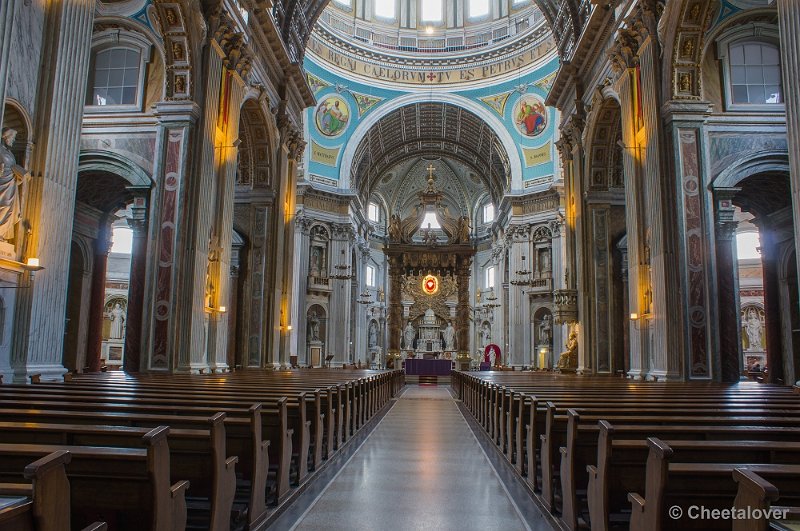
(31, 265)
(634, 317)
(289, 328)
(222, 309)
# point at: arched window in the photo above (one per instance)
(478, 8)
(488, 213)
(373, 212)
(751, 64)
(755, 73)
(431, 10)
(385, 9)
(117, 71)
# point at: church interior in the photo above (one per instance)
(399, 264)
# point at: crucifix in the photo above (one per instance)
(430, 169)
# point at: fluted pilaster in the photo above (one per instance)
(789, 23)
(7, 10)
(39, 316)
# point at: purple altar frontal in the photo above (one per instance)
(417, 367)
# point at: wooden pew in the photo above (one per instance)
(707, 484)
(130, 486)
(195, 455)
(43, 504)
(622, 453)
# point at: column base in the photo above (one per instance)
(218, 368)
(664, 376)
(47, 373)
(193, 368)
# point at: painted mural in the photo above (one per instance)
(513, 106)
(530, 115)
(332, 115)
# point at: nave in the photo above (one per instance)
(425, 445)
(353, 449)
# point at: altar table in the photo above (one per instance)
(418, 367)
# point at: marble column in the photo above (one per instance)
(730, 343)
(233, 312)
(789, 24)
(339, 314)
(297, 341)
(161, 323)
(395, 324)
(94, 346)
(668, 327)
(50, 206)
(638, 280)
(7, 10)
(771, 272)
(200, 242)
(519, 333)
(136, 285)
(227, 161)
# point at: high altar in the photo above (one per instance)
(429, 342)
(429, 282)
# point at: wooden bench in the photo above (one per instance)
(43, 504)
(129, 488)
(707, 484)
(195, 455)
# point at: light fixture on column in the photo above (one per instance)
(491, 300)
(31, 265)
(341, 271)
(523, 275)
(364, 298)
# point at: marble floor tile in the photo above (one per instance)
(421, 468)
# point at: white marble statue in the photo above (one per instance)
(12, 176)
(373, 335)
(494, 355)
(313, 326)
(753, 328)
(117, 322)
(449, 336)
(408, 336)
(545, 330)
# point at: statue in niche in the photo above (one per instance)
(753, 328)
(546, 264)
(462, 233)
(12, 177)
(373, 335)
(313, 326)
(117, 322)
(409, 333)
(449, 336)
(545, 330)
(569, 358)
(486, 335)
(395, 233)
(316, 261)
(495, 354)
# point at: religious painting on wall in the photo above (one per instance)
(332, 116)
(530, 115)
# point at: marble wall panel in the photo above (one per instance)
(26, 52)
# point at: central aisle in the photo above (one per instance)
(421, 468)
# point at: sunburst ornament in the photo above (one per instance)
(430, 284)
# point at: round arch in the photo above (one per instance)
(747, 166)
(111, 162)
(482, 112)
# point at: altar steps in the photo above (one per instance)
(427, 380)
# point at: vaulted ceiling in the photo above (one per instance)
(431, 129)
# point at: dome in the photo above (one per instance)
(431, 41)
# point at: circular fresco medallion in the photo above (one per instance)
(332, 115)
(530, 115)
(430, 285)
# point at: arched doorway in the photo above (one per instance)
(107, 266)
(604, 228)
(757, 195)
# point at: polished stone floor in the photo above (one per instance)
(421, 468)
